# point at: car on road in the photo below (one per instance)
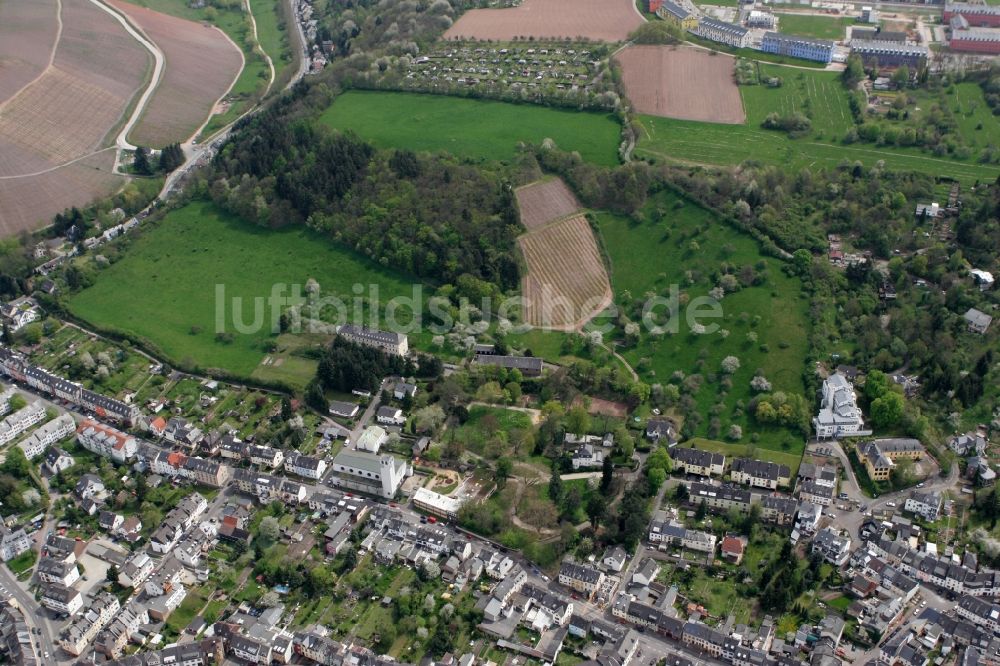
(891, 505)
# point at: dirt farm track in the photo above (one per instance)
(600, 20)
(684, 83)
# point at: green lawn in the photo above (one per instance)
(820, 27)
(272, 34)
(164, 288)
(483, 422)
(819, 96)
(691, 142)
(652, 256)
(22, 562)
(733, 450)
(478, 129)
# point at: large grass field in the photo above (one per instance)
(479, 129)
(654, 255)
(820, 27)
(820, 96)
(163, 289)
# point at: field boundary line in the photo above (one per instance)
(121, 141)
(243, 65)
(64, 164)
(52, 58)
(263, 51)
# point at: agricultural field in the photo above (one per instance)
(544, 201)
(477, 129)
(201, 66)
(52, 131)
(30, 202)
(27, 35)
(684, 83)
(681, 245)
(598, 20)
(566, 283)
(817, 95)
(819, 27)
(163, 289)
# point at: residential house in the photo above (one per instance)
(207, 472)
(719, 498)
(661, 430)
(60, 598)
(51, 570)
(391, 343)
(12, 542)
(46, 435)
(346, 410)
(135, 570)
(760, 473)
(778, 510)
(57, 460)
(529, 366)
(404, 390)
(112, 639)
(926, 504)
(697, 461)
(579, 577)
(839, 414)
(106, 441)
(391, 416)
(816, 492)
(732, 549)
(20, 421)
(88, 486)
(266, 456)
(309, 467)
(75, 638)
(372, 438)
(646, 573)
(979, 322)
(725, 33)
(968, 444)
(587, 455)
(834, 548)
(614, 558)
(20, 312)
(808, 48)
(676, 15)
(878, 455)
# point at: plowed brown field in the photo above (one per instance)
(566, 284)
(545, 201)
(600, 20)
(201, 65)
(678, 82)
(30, 203)
(54, 129)
(27, 33)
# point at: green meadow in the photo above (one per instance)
(685, 245)
(819, 27)
(478, 129)
(820, 96)
(163, 289)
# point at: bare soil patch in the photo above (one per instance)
(603, 407)
(600, 20)
(27, 32)
(30, 203)
(544, 201)
(684, 83)
(566, 283)
(201, 64)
